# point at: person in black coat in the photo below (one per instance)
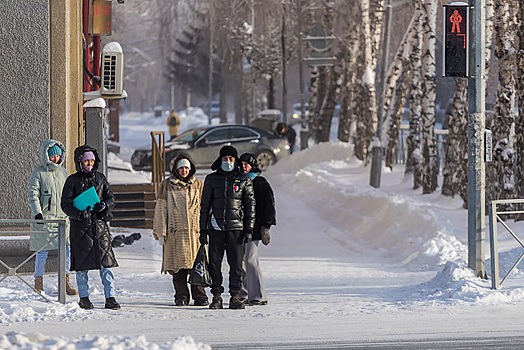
(253, 289)
(289, 133)
(91, 247)
(227, 217)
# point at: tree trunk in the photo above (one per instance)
(414, 160)
(455, 166)
(500, 180)
(430, 164)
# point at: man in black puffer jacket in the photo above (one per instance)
(227, 217)
(90, 237)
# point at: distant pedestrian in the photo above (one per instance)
(176, 227)
(227, 218)
(253, 289)
(173, 121)
(289, 133)
(44, 194)
(91, 247)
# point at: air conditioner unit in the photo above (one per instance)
(112, 70)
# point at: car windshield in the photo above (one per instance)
(190, 135)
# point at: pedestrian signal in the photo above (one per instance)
(456, 40)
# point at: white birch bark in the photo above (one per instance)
(429, 146)
(414, 159)
(499, 173)
(519, 142)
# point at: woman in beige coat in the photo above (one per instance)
(176, 227)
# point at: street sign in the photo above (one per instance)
(456, 40)
(319, 42)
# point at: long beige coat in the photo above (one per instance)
(176, 220)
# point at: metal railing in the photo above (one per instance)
(158, 166)
(402, 148)
(495, 218)
(13, 270)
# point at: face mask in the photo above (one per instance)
(87, 169)
(228, 166)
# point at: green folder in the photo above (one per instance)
(88, 198)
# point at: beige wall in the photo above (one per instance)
(66, 75)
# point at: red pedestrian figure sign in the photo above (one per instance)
(455, 19)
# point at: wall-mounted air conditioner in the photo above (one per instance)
(112, 70)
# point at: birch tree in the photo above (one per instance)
(519, 142)
(500, 180)
(430, 164)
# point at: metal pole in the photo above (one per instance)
(476, 125)
(61, 263)
(304, 133)
(376, 152)
(283, 43)
(210, 77)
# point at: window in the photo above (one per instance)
(242, 133)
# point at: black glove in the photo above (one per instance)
(203, 237)
(248, 236)
(39, 217)
(84, 214)
(100, 206)
(264, 234)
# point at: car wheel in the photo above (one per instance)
(265, 159)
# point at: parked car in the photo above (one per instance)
(296, 114)
(203, 144)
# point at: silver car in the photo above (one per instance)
(203, 144)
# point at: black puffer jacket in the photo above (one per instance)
(265, 212)
(90, 239)
(229, 198)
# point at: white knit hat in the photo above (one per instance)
(183, 162)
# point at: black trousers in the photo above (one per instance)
(181, 286)
(232, 243)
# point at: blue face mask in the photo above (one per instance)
(228, 166)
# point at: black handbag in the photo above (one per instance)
(199, 275)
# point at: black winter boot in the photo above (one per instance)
(112, 304)
(85, 303)
(216, 303)
(235, 302)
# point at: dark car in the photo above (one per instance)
(203, 144)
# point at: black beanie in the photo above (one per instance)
(229, 151)
(250, 159)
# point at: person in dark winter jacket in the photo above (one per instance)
(90, 237)
(253, 289)
(227, 218)
(44, 193)
(289, 133)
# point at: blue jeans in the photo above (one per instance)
(108, 280)
(41, 258)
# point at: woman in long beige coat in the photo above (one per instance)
(176, 227)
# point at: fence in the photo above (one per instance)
(158, 166)
(494, 218)
(18, 231)
(402, 148)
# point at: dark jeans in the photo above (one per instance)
(230, 242)
(181, 289)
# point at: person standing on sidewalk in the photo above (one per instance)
(44, 193)
(227, 218)
(91, 247)
(175, 226)
(253, 289)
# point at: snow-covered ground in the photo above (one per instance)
(348, 264)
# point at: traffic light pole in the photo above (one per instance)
(476, 127)
(376, 151)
